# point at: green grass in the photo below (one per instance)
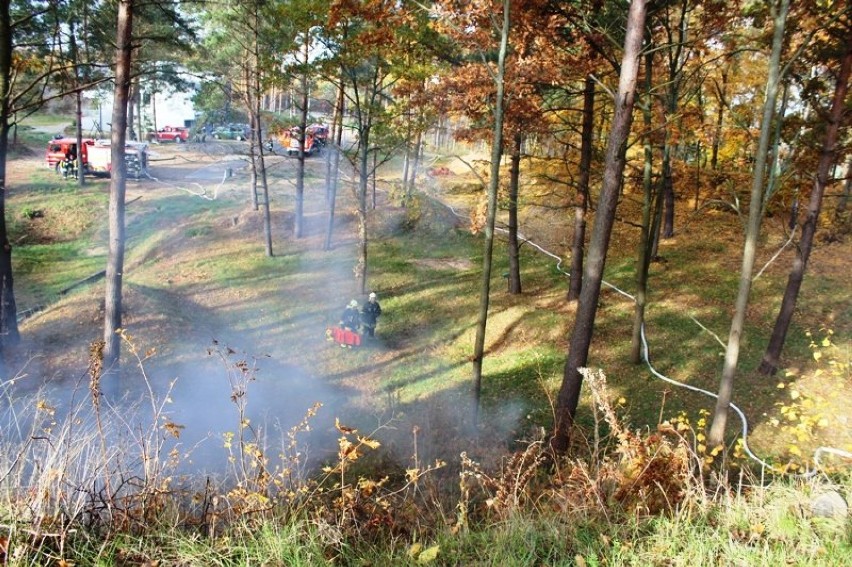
(56, 248)
(763, 530)
(428, 280)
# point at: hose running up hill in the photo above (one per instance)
(647, 358)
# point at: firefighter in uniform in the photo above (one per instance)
(370, 314)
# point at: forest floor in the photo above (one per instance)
(200, 294)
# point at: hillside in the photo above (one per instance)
(225, 343)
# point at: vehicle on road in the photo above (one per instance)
(59, 148)
(135, 156)
(97, 156)
(177, 134)
(316, 137)
(231, 132)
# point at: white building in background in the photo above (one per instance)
(171, 109)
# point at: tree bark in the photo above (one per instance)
(253, 176)
(581, 337)
(514, 247)
(373, 176)
(771, 358)
(363, 182)
(418, 150)
(582, 203)
(78, 100)
(491, 214)
(643, 261)
(8, 310)
(117, 188)
(337, 136)
(843, 202)
(721, 95)
(299, 223)
(407, 158)
(260, 163)
(676, 54)
(732, 352)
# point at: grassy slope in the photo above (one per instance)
(184, 250)
(196, 270)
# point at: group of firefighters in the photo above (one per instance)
(366, 318)
(69, 165)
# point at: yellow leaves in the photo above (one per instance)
(347, 451)
(173, 428)
(411, 475)
(342, 428)
(42, 405)
(371, 443)
(429, 555)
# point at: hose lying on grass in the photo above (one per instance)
(647, 358)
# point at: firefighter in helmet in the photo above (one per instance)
(370, 314)
(350, 318)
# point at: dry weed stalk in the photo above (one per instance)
(645, 474)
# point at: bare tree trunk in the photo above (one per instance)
(840, 210)
(581, 337)
(153, 109)
(131, 116)
(491, 214)
(8, 310)
(582, 202)
(721, 95)
(644, 238)
(770, 362)
(337, 136)
(732, 352)
(418, 150)
(374, 173)
(363, 179)
(406, 162)
(668, 191)
(117, 188)
(78, 100)
(137, 102)
(299, 222)
(514, 248)
(253, 173)
(258, 161)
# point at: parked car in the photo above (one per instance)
(231, 132)
(177, 134)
